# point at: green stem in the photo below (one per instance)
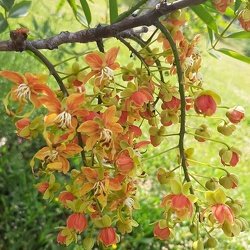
(80, 143)
(198, 181)
(163, 152)
(209, 139)
(224, 31)
(165, 32)
(208, 165)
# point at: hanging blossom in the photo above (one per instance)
(180, 202)
(100, 185)
(63, 113)
(102, 67)
(54, 156)
(220, 210)
(27, 87)
(101, 130)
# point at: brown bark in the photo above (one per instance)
(95, 34)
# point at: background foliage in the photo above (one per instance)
(27, 222)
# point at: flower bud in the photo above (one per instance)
(226, 128)
(198, 245)
(244, 224)
(229, 181)
(244, 18)
(211, 243)
(227, 227)
(88, 243)
(235, 205)
(164, 176)
(75, 67)
(201, 133)
(193, 228)
(206, 103)
(235, 114)
(221, 5)
(229, 157)
(212, 184)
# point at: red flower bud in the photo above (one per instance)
(205, 104)
(161, 233)
(236, 114)
(43, 187)
(107, 236)
(77, 221)
(60, 238)
(244, 18)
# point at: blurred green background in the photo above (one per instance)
(28, 222)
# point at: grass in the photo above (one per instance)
(223, 76)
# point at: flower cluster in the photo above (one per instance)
(99, 124)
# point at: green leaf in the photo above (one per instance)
(237, 5)
(205, 16)
(239, 35)
(3, 23)
(60, 5)
(73, 6)
(20, 9)
(235, 55)
(86, 10)
(210, 35)
(213, 53)
(113, 10)
(79, 17)
(7, 4)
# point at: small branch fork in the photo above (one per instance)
(100, 32)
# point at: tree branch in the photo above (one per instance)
(94, 34)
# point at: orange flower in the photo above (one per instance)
(60, 238)
(136, 98)
(63, 113)
(54, 156)
(107, 236)
(101, 186)
(222, 213)
(180, 204)
(77, 221)
(42, 187)
(28, 86)
(101, 129)
(28, 129)
(102, 65)
(244, 19)
(221, 5)
(65, 196)
(161, 233)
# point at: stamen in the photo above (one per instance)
(106, 73)
(64, 120)
(105, 137)
(129, 202)
(99, 188)
(23, 91)
(51, 156)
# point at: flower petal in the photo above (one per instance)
(12, 76)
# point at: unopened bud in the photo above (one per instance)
(198, 245)
(88, 243)
(236, 206)
(226, 128)
(211, 243)
(229, 181)
(212, 184)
